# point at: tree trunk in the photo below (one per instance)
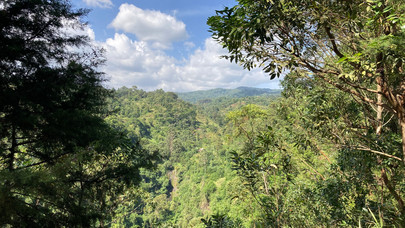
(379, 108)
(393, 192)
(12, 148)
(378, 130)
(402, 125)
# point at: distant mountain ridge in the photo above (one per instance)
(243, 91)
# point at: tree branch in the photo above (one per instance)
(362, 148)
(335, 48)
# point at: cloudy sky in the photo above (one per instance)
(164, 44)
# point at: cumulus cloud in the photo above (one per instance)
(71, 28)
(74, 28)
(132, 63)
(99, 3)
(206, 70)
(149, 25)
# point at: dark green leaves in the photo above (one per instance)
(61, 165)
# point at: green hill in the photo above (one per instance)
(196, 96)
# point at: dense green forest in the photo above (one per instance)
(243, 91)
(254, 161)
(194, 178)
(328, 151)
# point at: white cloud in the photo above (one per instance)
(149, 25)
(71, 28)
(90, 33)
(99, 3)
(206, 70)
(132, 63)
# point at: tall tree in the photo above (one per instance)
(59, 161)
(355, 46)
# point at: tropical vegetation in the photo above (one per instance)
(328, 150)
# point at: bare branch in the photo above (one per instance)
(362, 148)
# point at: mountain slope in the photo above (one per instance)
(196, 96)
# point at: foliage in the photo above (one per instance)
(60, 163)
(219, 221)
(292, 167)
(344, 61)
(206, 96)
(194, 178)
(328, 152)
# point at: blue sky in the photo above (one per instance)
(164, 44)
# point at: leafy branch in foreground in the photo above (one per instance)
(350, 49)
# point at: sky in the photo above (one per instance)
(164, 44)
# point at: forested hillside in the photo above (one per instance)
(194, 178)
(328, 150)
(253, 161)
(206, 95)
